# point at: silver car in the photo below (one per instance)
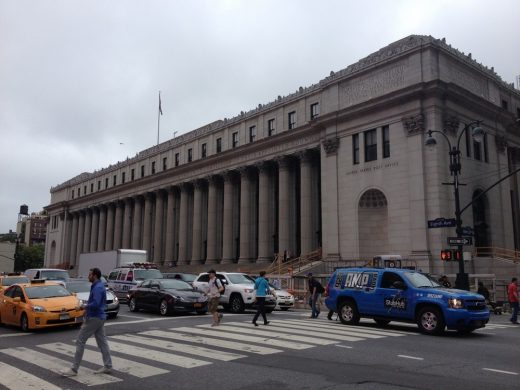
(81, 288)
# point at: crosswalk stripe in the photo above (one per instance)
(184, 348)
(356, 332)
(136, 369)
(158, 356)
(85, 375)
(253, 339)
(15, 379)
(363, 325)
(343, 335)
(267, 332)
(213, 342)
(280, 326)
(355, 329)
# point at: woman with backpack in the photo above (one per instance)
(262, 289)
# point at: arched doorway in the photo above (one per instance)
(480, 219)
(373, 224)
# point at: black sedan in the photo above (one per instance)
(168, 296)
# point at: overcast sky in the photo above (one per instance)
(79, 80)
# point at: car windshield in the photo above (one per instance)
(419, 280)
(78, 287)
(55, 275)
(143, 274)
(273, 286)
(46, 292)
(11, 281)
(240, 279)
(175, 284)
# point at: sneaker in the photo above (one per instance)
(255, 324)
(220, 316)
(68, 373)
(103, 370)
(329, 317)
(266, 323)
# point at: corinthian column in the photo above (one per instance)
(283, 205)
(147, 228)
(137, 222)
(264, 240)
(212, 221)
(227, 234)
(86, 234)
(118, 230)
(306, 234)
(102, 231)
(94, 231)
(158, 231)
(170, 226)
(127, 223)
(196, 254)
(245, 216)
(183, 225)
(74, 239)
(109, 242)
(81, 231)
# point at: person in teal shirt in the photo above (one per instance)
(261, 289)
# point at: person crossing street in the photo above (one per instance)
(262, 290)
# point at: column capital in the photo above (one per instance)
(213, 179)
(185, 186)
(264, 166)
(283, 161)
(229, 175)
(199, 183)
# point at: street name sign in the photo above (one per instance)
(460, 241)
(442, 222)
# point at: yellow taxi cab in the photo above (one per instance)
(9, 279)
(39, 304)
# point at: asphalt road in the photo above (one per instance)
(292, 352)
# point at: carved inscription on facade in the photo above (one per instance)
(467, 80)
(365, 88)
(374, 168)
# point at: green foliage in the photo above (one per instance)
(28, 257)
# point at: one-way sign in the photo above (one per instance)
(460, 241)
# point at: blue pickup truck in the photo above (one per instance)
(390, 294)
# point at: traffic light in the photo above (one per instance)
(446, 255)
(457, 255)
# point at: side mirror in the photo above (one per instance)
(17, 300)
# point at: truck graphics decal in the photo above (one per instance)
(360, 279)
(395, 302)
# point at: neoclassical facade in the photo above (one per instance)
(340, 165)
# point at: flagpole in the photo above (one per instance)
(159, 112)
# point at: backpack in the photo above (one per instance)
(218, 283)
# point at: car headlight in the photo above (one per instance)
(455, 303)
(248, 290)
(38, 309)
(115, 299)
(179, 298)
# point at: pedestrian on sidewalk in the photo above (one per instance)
(315, 289)
(94, 323)
(512, 295)
(215, 287)
(262, 290)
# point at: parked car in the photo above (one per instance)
(121, 280)
(55, 274)
(39, 304)
(167, 296)
(284, 299)
(81, 288)
(239, 293)
(10, 279)
(188, 278)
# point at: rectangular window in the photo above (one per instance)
(91, 187)
(486, 156)
(315, 110)
(164, 163)
(176, 159)
(476, 150)
(355, 149)
(504, 104)
(142, 170)
(270, 127)
(386, 141)
(123, 177)
(190, 154)
(370, 145)
(153, 167)
(132, 174)
(99, 185)
(106, 183)
(252, 134)
(235, 139)
(219, 145)
(203, 150)
(292, 119)
(73, 193)
(115, 180)
(84, 190)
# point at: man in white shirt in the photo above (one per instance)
(214, 289)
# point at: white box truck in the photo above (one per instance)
(106, 261)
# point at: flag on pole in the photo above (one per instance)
(160, 108)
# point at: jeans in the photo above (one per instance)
(514, 311)
(92, 326)
(260, 301)
(316, 305)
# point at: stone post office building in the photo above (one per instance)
(340, 165)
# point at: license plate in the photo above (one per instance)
(197, 305)
(64, 316)
(78, 319)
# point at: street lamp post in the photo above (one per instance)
(462, 281)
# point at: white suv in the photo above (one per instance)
(239, 292)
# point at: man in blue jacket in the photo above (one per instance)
(261, 289)
(95, 317)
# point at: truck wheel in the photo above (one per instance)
(24, 323)
(236, 304)
(163, 308)
(132, 305)
(430, 320)
(348, 313)
(381, 322)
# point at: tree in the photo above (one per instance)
(28, 257)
